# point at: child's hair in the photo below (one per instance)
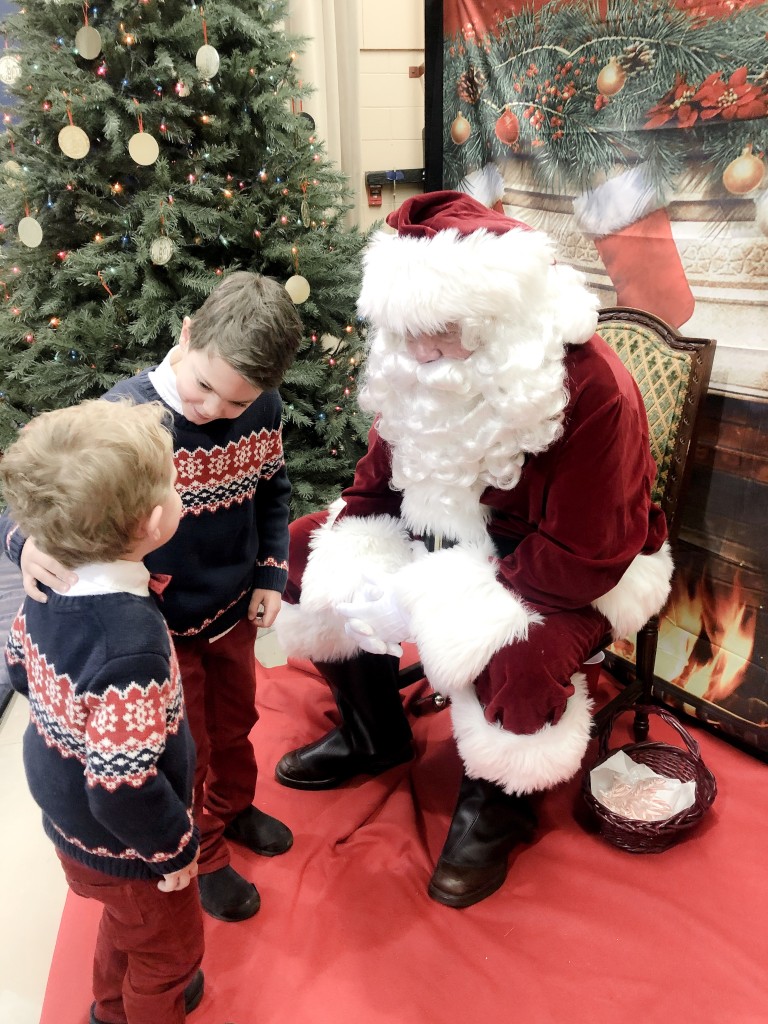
(251, 323)
(81, 480)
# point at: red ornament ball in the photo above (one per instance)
(507, 128)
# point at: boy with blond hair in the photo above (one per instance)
(108, 754)
(228, 562)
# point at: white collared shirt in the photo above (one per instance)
(118, 577)
(163, 380)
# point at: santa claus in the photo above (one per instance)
(506, 428)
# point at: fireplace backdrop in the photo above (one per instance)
(624, 131)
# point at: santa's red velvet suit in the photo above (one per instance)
(531, 460)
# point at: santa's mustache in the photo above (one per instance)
(449, 375)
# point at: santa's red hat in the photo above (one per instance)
(453, 260)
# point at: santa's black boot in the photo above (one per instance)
(374, 734)
(486, 824)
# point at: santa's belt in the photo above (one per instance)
(436, 542)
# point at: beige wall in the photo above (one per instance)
(391, 36)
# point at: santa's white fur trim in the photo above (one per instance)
(522, 763)
(460, 614)
(413, 284)
(341, 556)
(617, 203)
(640, 593)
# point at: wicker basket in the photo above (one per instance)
(653, 836)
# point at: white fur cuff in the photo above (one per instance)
(522, 763)
(341, 555)
(617, 203)
(460, 614)
(640, 593)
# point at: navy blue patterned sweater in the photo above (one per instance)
(233, 535)
(107, 751)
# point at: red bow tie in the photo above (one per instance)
(158, 581)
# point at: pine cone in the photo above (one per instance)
(470, 85)
(637, 57)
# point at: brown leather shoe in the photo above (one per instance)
(459, 887)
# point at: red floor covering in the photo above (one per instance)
(580, 933)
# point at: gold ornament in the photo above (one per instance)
(207, 60)
(88, 42)
(461, 129)
(611, 79)
(161, 250)
(73, 142)
(744, 174)
(30, 232)
(143, 148)
(13, 173)
(298, 289)
(10, 68)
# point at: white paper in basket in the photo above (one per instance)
(635, 791)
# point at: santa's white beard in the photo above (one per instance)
(458, 426)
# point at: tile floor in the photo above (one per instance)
(32, 887)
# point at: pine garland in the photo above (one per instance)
(577, 94)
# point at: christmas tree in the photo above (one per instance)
(577, 88)
(152, 147)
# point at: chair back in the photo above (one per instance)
(672, 373)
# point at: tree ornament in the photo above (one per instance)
(298, 289)
(507, 128)
(611, 79)
(73, 142)
(470, 85)
(744, 174)
(207, 60)
(88, 42)
(13, 173)
(761, 212)
(30, 232)
(161, 250)
(181, 88)
(10, 68)
(461, 129)
(143, 148)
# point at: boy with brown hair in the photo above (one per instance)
(107, 752)
(228, 562)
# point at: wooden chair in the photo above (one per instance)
(672, 373)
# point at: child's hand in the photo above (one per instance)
(39, 568)
(179, 879)
(264, 606)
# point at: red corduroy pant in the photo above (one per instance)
(219, 681)
(148, 948)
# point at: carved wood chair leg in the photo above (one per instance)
(640, 726)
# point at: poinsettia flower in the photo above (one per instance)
(678, 103)
(737, 99)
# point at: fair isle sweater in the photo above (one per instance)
(233, 534)
(107, 752)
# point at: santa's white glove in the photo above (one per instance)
(375, 620)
